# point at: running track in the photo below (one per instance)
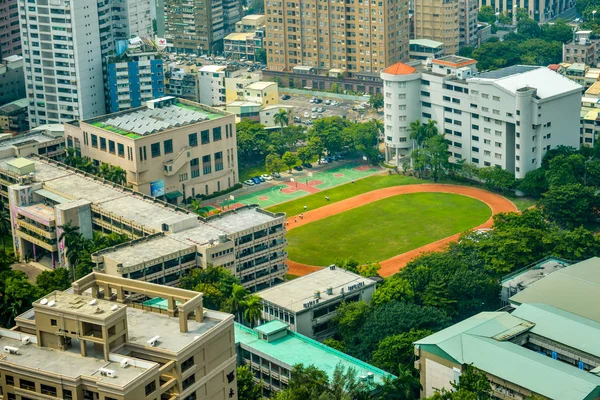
(392, 265)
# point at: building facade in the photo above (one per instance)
(507, 118)
(438, 20)
(265, 93)
(13, 116)
(309, 303)
(538, 10)
(181, 80)
(70, 85)
(422, 49)
(10, 37)
(582, 49)
(211, 85)
(134, 77)
(197, 27)
(468, 22)
(244, 45)
(170, 147)
(107, 346)
(12, 79)
(356, 38)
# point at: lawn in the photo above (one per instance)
(343, 192)
(385, 228)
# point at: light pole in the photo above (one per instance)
(594, 16)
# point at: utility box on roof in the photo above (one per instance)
(21, 166)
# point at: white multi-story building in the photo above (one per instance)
(507, 118)
(211, 85)
(64, 49)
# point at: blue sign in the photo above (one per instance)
(157, 188)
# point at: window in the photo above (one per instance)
(486, 109)
(67, 394)
(425, 104)
(183, 177)
(195, 167)
(496, 98)
(485, 95)
(457, 122)
(187, 364)
(475, 138)
(455, 100)
(475, 149)
(475, 116)
(425, 94)
(27, 385)
(457, 144)
(487, 141)
(475, 160)
(447, 98)
(424, 82)
(457, 133)
(219, 161)
(168, 144)
(475, 127)
(518, 112)
(204, 138)
(498, 144)
(53, 322)
(448, 120)
(111, 146)
(497, 112)
(121, 150)
(206, 166)
(150, 388)
(48, 390)
(193, 139)
(487, 130)
(216, 133)
(473, 105)
(155, 150)
(426, 115)
(102, 144)
(10, 380)
(188, 381)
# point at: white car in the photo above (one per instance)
(267, 177)
(323, 161)
(313, 116)
(306, 114)
(249, 182)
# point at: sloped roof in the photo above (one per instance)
(399, 69)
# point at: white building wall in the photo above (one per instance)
(438, 377)
(211, 88)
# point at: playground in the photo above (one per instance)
(295, 188)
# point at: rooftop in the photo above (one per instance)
(427, 43)
(14, 106)
(69, 364)
(253, 17)
(594, 89)
(294, 349)
(213, 68)
(239, 36)
(292, 295)
(78, 305)
(271, 327)
(454, 61)
(575, 289)
(240, 219)
(538, 271)
(547, 82)
(483, 340)
(145, 250)
(261, 85)
(22, 139)
(143, 121)
(399, 69)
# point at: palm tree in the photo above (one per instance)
(281, 118)
(5, 228)
(252, 306)
(430, 129)
(417, 132)
(74, 244)
(119, 175)
(238, 293)
(105, 171)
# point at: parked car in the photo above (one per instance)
(318, 101)
(286, 97)
(297, 119)
(312, 100)
(323, 161)
(276, 175)
(255, 180)
(329, 159)
(267, 177)
(319, 116)
(260, 178)
(298, 168)
(336, 157)
(313, 116)
(306, 114)
(321, 110)
(249, 182)
(307, 165)
(327, 102)
(315, 109)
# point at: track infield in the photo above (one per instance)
(391, 265)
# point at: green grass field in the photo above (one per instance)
(385, 228)
(343, 192)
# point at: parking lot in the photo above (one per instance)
(303, 107)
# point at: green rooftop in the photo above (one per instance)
(115, 129)
(210, 115)
(295, 349)
(271, 327)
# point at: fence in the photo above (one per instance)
(324, 94)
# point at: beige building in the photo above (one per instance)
(468, 22)
(166, 240)
(438, 20)
(538, 10)
(265, 93)
(94, 342)
(250, 23)
(234, 85)
(582, 49)
(171, 147)
(361, 37)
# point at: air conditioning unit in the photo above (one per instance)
(154, 341)
(26, 340)
(125, 363)
(11, 350)
(111, 373)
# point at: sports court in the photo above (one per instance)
(305, 185)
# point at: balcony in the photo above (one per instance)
(35, 229)
(36, 241)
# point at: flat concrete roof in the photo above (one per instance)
(78, 305)
(261, 85)
(145, 251)
(294, 294)
(41, 210)
(240, 219)
(20, 140)
(68, 363)
(534, 274)
(144, 325)
(199, 235)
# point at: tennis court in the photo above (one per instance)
(305, 185)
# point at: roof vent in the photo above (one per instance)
(329, 290)
(98, 310)
(317, 294)
(26, 340)
(51, 303)
(44, 301)
(125, 363)
(154, 341)
(11, 350)
(111, 373)
(93, 302)
(114, 308)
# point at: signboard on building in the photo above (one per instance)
(157, 188)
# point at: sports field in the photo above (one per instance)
(305, 186)
(383, 229)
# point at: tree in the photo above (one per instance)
(497, 178)
(247, 389)
(334, 344)
(529, 28)
(315, 146)
(405, 387)
(437, 155)
(281, 118)
(273, 163)
(534, 183)
(487, 14)
(376, 101)
(216, 283)
(58, 279)
(304, 154)
(396, 352)
(570, 205)
(289, 159)
(417, 132)
(394, 288)
(475, 381)
(5, 226)
(119, 175)
(306, 383)
(369, 269)
(260, 54)
(74, 243)
(350, 317)
(558, 31)
(565, 170)
(236, 301)
(252, 307)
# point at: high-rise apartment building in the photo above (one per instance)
(350, 37)
(507, 118)
(196, 27)
(12, 79)
(468, 22)
(98, 342)
(10, 38)
(438, 20)
(538, 10)
(64, 57)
